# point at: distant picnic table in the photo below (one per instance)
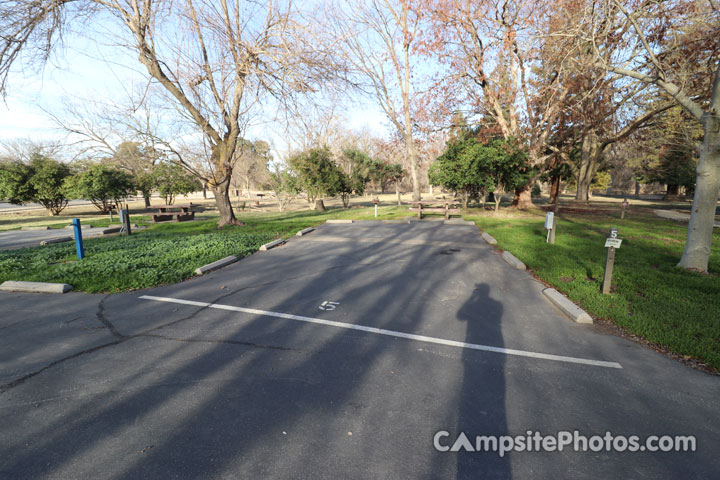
(424, 206)
(181, 213)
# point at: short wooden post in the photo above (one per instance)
(609, 262)
(553, 230)
(610, 244)
(555, 220)
(125, 221)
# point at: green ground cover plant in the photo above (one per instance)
(163, 253)
(650, 297)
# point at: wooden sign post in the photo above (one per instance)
(125, 221)
(611, 244)
(624, 205)
(550, 227)
(556, 211)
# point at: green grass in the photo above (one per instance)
(163, 253)
(121, 263)
(651, 297)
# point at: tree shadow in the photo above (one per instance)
(283, 376)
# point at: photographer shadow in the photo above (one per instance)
(481, 408)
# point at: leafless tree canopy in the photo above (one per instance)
(216, 60)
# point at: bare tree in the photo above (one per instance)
(380, 38)
(252, 168)
(314, 122)
(23, 149)
(499, 54)
(672, 46)
(601, 111)
(215, 60)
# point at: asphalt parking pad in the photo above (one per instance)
(257, 370)
(422, 278)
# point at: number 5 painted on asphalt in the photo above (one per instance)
(326, 305)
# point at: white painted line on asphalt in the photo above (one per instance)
(390, 333)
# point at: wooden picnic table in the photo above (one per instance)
(181, 213)
(170, 208)
(427, 206)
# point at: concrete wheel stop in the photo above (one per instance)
(576, 313)
(35, 287)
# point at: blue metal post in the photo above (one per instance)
(78, 239)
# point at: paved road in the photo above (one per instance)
(679, 216)
(240, 374)
(6, 207)
(14, 239)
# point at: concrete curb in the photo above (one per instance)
(35, 228)
(338, 221)
(57, 240)
(272, 244)
(119, 225)
(513, 260)
(35, 287)
(489, 238)
(110, 230)
(304, 231)
(458, 221)
(576, 313)
(215, 265)
(84, 225)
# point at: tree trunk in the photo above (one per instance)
(147, 200)
(204, 190)
(637, 187)
(397, 192)
(319, 205)
(672, 190)
(222, 200)
(523, 196)
(583, 191)
(554, 189)
(589, 163)
(699, 238)
(413, 166)
(408, 134)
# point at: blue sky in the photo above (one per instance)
(85, 69)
